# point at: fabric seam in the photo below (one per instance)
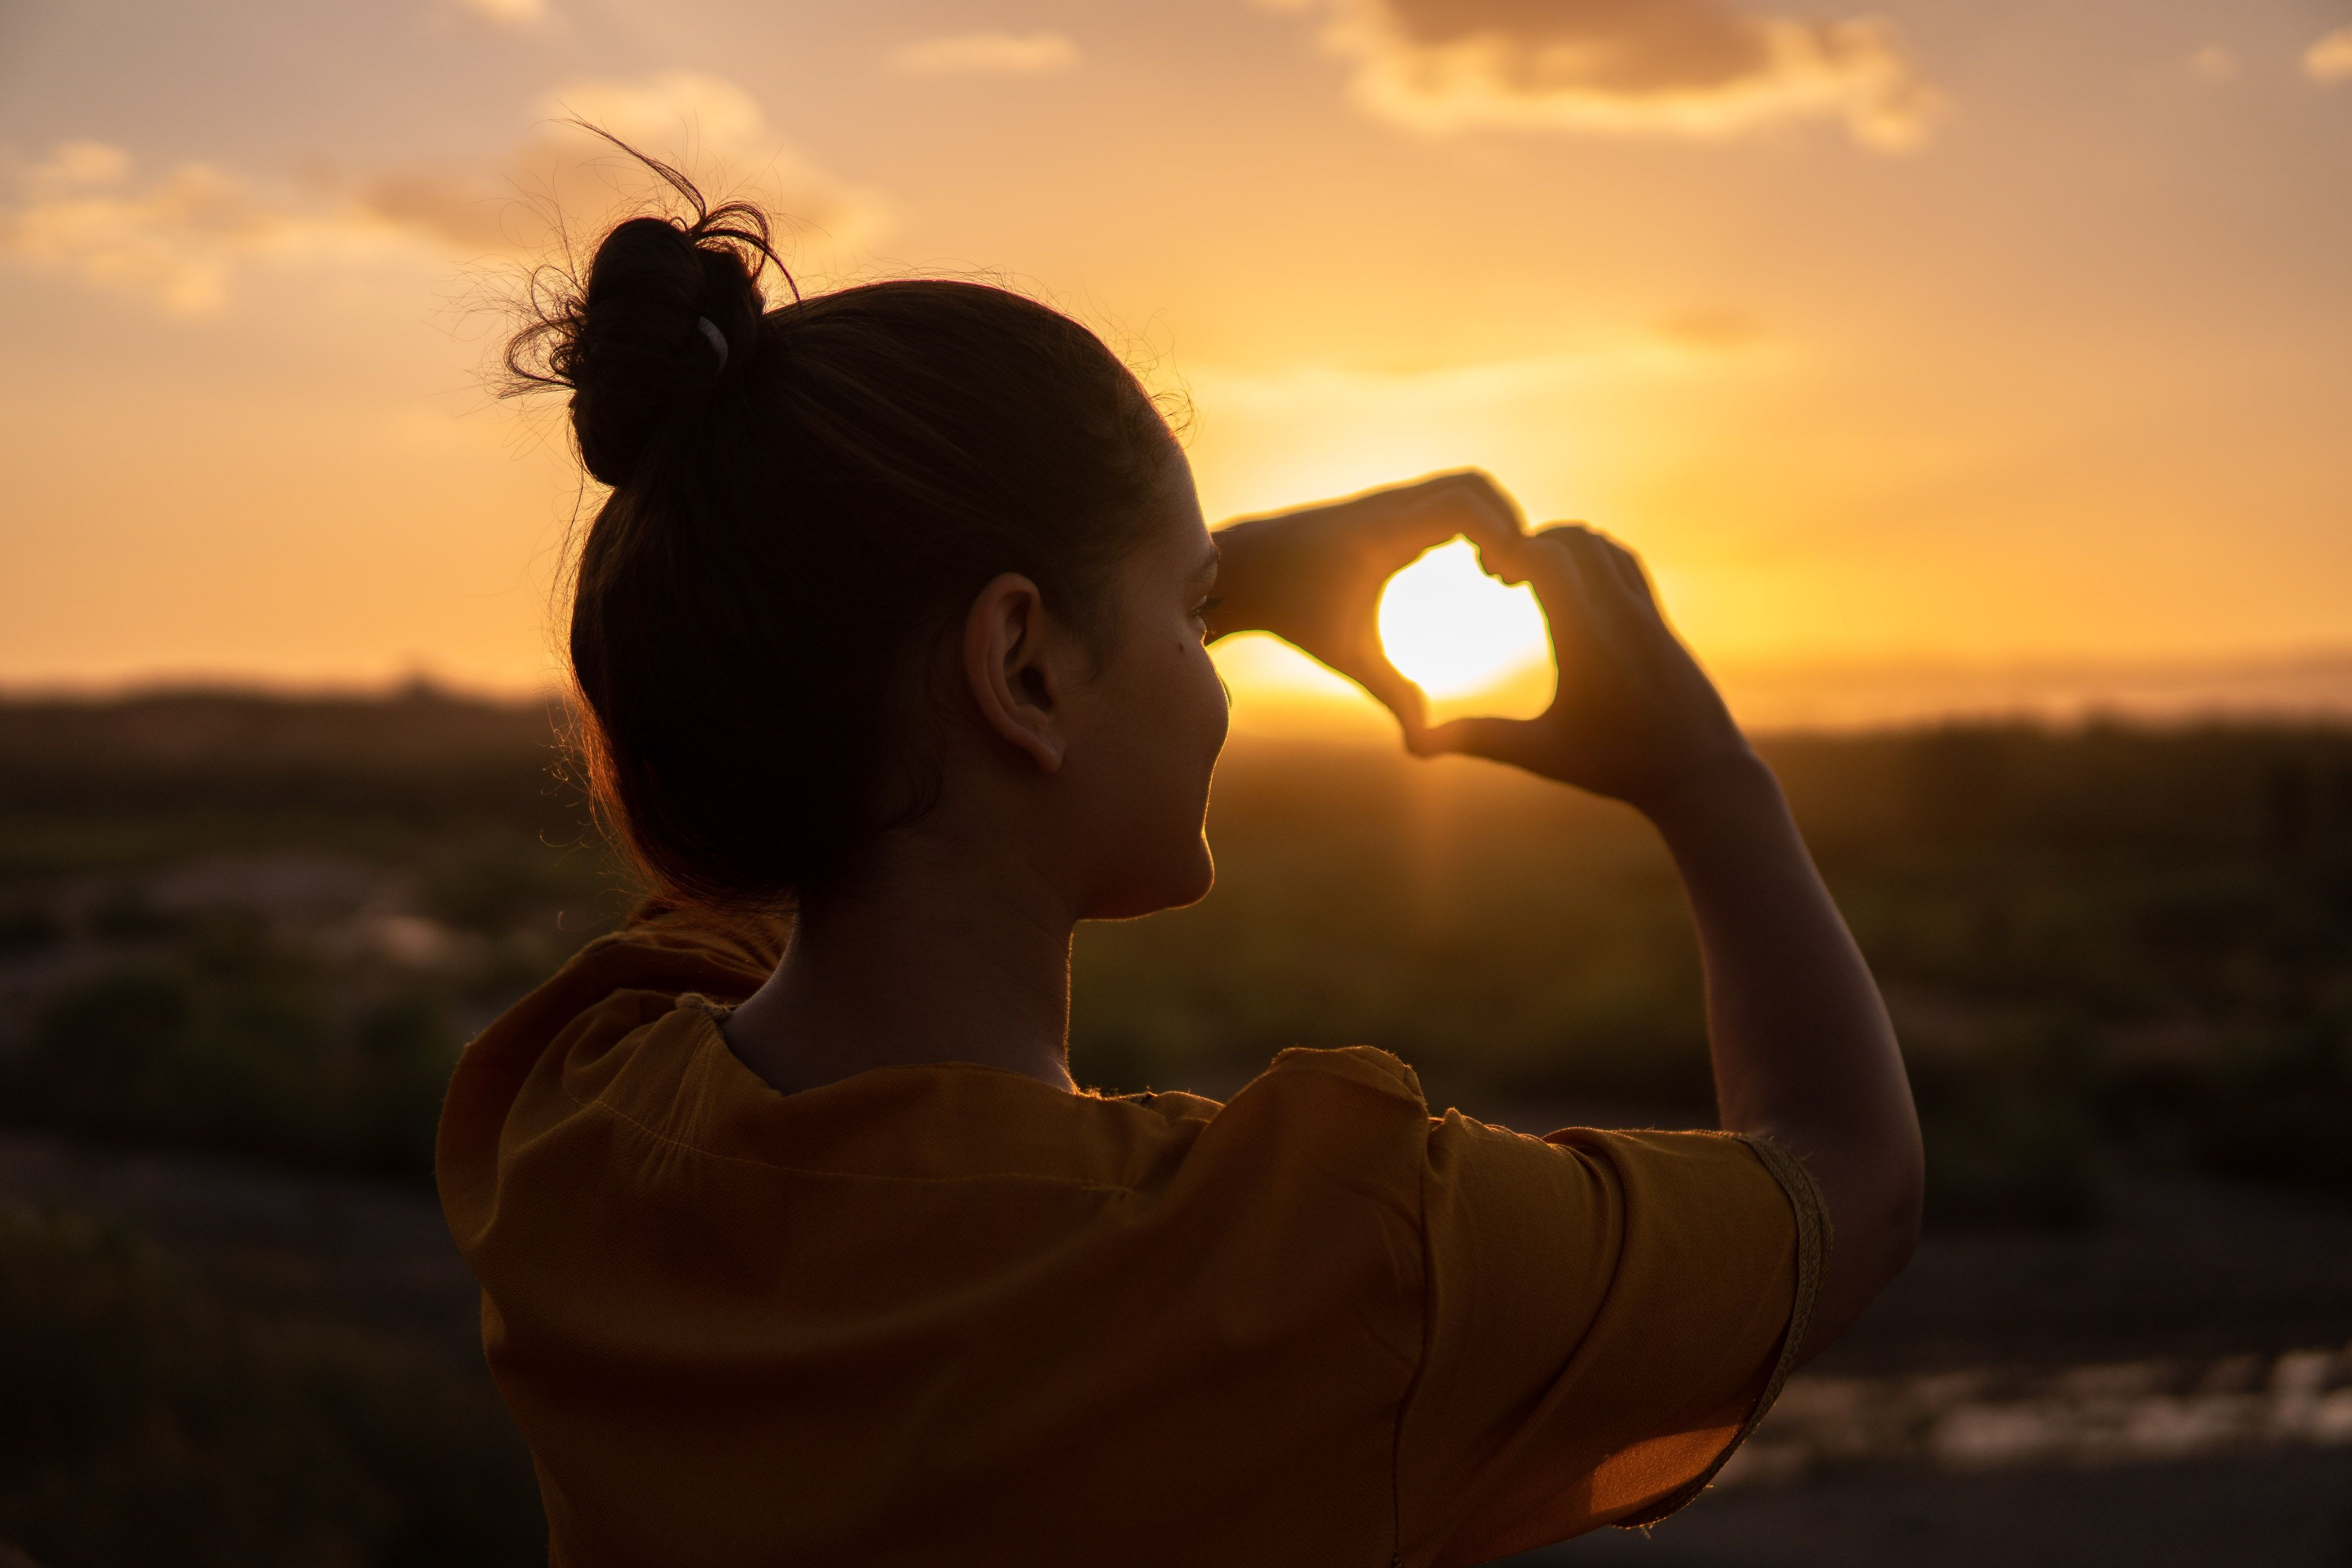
(655, 1135)
(1413, 1384)
(693, 1002)
(1814, 1236)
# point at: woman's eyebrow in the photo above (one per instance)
(1209, 563)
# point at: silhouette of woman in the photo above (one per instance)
(797, 1242)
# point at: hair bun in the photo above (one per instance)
(667, 310)
(635, 355)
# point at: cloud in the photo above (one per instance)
(2330, 58)
(175, 237)
(2213, 64)
(704, 124)
(1674, 68)
(986, 53)
(514, 15)
(181, 236)
(671, 111)
(1707, 329)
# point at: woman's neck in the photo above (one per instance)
(919, 962)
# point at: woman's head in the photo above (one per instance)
(777, 627)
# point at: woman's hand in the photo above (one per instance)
(1312, 577)
(1633, 717)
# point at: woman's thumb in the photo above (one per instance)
(1510, 741)
(1393, 692)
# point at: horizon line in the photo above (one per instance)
(1810, 695)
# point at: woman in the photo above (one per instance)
(896, 619)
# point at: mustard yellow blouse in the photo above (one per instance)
(949, 1314)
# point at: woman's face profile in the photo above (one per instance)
(1150, 725)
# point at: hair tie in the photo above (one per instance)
(718, 339)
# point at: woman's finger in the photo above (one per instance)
(1490, 513)
(1544, 564)
(1629, 569)
(1467, 503)
(1623, 609)
(1511, 555)
(1518, 741)
(1390, 688)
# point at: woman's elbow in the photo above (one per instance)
(1875, 1207)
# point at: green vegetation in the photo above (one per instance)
(226, 1038)
(145, 1425)
(2102, 945)
(266, 925)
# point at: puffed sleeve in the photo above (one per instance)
(1607, 1315)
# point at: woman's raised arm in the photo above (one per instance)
(1802, 1049)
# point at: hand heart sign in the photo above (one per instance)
(1340, 583)
(1631, 715)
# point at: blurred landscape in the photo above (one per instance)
(243, 938)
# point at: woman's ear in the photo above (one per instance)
(1012, 662)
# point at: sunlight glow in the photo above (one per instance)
(1455, 630)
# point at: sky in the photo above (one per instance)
(1952, 347)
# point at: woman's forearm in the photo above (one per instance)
(1803, 1051)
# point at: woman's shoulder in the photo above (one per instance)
(613, 988)
(1359, 1066)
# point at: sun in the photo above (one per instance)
(1456, 631)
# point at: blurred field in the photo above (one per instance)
(2100, 945)
(242, 939)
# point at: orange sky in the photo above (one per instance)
(1973, 338)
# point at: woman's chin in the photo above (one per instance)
(1202, 878)
(1186, 879)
